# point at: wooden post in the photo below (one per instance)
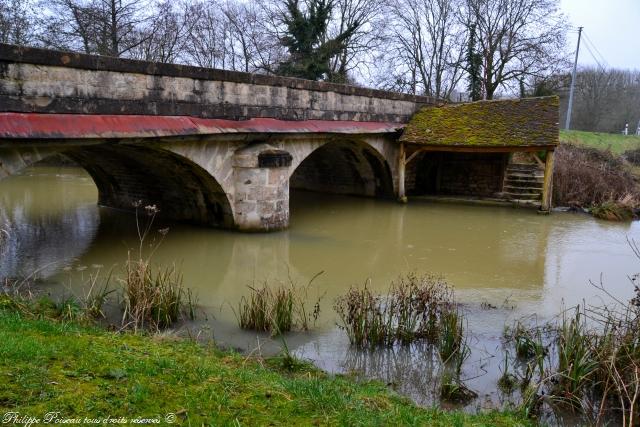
(547, 188)
(401, 168)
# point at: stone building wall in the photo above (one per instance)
(466, 174)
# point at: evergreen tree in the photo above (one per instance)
(306, 40)
(474, 65)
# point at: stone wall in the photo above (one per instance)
(39, 80)
(466, 174)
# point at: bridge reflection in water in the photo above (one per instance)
(488, 254)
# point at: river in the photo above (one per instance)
(516, 260)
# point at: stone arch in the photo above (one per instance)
(126, 174)
(345, 166)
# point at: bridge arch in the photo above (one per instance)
(127, 174)
(343, 166)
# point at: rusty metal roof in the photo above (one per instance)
(89, 126)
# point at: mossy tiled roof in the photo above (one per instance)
(495, 123)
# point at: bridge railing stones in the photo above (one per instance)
(48, 81)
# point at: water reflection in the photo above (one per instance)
(46, 227)
(412, 370)
(516, 260)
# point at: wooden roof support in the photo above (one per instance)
(478, 149)
(547, 189)
(402, 163)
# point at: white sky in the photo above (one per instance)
(612, 25)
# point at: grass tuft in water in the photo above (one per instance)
(507, 382)
(153, 299)
(452, 389)
(412, 309)
(278, 309)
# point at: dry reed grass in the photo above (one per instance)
(590, 178)
(412, 309)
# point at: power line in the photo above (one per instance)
(587, 46)
(587, 38)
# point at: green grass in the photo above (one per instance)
(88, 372)
(617, 142)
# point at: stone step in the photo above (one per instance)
(525, 176)
(523, 183)
(523, 167)
(534, 203)
(521, 196)
(522, 190)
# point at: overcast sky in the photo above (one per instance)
(613, 26)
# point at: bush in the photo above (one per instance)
(586, 177)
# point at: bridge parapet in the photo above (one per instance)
(47, 81)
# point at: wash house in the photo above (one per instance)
(498, 150)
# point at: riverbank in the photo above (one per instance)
(616, 143)
(598, 173)
(84, 371)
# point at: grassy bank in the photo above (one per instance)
(598, 172)
(617, 143)
(83, 371)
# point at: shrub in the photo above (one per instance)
(584, 177)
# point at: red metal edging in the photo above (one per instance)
(88, 126)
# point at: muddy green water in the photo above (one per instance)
(524, 263)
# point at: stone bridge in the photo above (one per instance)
(211, 147)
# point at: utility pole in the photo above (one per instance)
(567, 123)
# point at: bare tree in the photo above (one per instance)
(206, 42)
(606, 100)
(104, 27)
(164, 36)
(368, 18)
(231, 35)
(517, 40)
(253, 43)
(16, 22)
(427, 46)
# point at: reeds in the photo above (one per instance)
(412, 309)
(589, 362)
(278, 309)
(451, 345)
(595, 179)
(153, 299)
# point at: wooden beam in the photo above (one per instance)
(537, 159)
(401, 169)
(483, 149)
(412, 156)
(547, 188)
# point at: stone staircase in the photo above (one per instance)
(523, 183)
